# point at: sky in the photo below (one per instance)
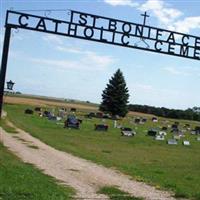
(59, 66)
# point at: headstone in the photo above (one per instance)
(198, 138)
(175, 130)
(144, 120)
(72, 122)
(28, 111)
(177, 137)
(106, 116)
(152, 132)
(115, 117)
(58, 118)
(174, 126)
(119, 126)
(90, 115)
(197, 129)
(186, 143)
(100, 127)
(154, 119)
(127, 132)
(115, 123)
(193, 132)
(38, 109)
(61, 113)
(46, 113)
(64, 109)
(99, 114)
(137, 120)
(80, 121)
(73, 109)
(159, 137)
(187, 125)
(162, 133)
(172, 142)
(164, 128)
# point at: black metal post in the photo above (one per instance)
(4, 64)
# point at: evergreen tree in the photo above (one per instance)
(115, 96)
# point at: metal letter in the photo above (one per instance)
(158, 33)
(83, 20)
(41, 24)
(72, 29)
(184, 50)
(86, 31)
(112, 25)
(183, 40)
(171, 37)
(56, 25)
(197, 43)
(129, 28)
(156, 45)
(94, 20)
(196, 53)
(122, 39)
(20, 20)
(171, 49)
(101, 36)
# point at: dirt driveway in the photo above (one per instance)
(84, 176)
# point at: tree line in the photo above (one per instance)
(115, 102)
(188, 114)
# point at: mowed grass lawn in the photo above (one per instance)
(176, 168)
(20, 181)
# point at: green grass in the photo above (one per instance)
(20, 181)
(115, 194)
(176, 168)
(6, 127)
(33, 146)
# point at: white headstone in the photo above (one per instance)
(115, 123)
(186, 143)
(159, 137)
(162, 133)
(172, 142)
(177, 137)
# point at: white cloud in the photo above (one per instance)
(169, 17)
(52, 39)
(187, 24)
(69, 49)
(153, 95)
(90, 61)
(143, 87)
(183, 71)
(165, 14)
(121, 3)
(174, 71)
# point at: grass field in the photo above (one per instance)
(116, 194)
(19, 181)
(175, 168)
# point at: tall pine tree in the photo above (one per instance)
(115, 96)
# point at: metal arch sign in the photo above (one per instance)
(111, 31)
(104, 30)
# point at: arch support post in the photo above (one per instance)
(4, 61)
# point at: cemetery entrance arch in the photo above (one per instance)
(101, 29)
